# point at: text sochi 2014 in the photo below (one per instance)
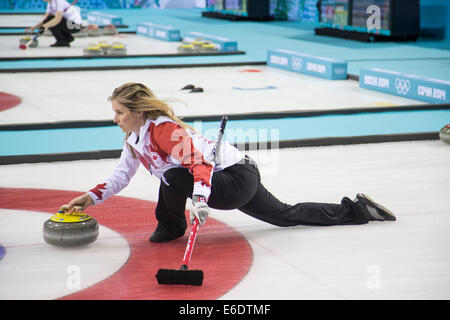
(431, 92)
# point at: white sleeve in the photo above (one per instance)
(119, 178)
(59, 5)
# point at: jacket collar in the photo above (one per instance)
(140, 141)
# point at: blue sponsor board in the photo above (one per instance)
(166, 33)
(103, 19)
(307, 64)
(223, 44)
(405, 85)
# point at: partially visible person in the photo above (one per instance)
(62, 19)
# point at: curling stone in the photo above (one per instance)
(104, 45)
(34, 43)
(110, 30)
(208, 47)
(186, 48)
(70, 229)
(93, 51)
(197, 44)
(25, 40)
(93, 30)
(81, 34)
(117, 49)
(444, 134)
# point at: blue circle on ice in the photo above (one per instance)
(2, 252)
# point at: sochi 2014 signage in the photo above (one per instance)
(307, 64)
(405, 85)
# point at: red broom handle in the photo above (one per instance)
(72, 4)
(190, 244)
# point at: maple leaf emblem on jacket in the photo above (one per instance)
(98, 190)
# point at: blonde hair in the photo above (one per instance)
(139, 98)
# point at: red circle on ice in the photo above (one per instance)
(8, 101)
(250, 70)
(220, 252)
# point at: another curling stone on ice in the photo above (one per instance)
(25, 40)
(70, 229)
(110, 30)
(444, 134)
(93, 50)
(117, 49)
(93, 30)
(80, 34)
(186, 48)
(208, 47)
(34, 43)
(198, 43)
(104, 45)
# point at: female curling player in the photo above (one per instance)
(62, 19)
(184, 162)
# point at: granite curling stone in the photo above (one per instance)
(93, 50)
(444, 134)
(34, 43)
(117, 49)
(81, 34)
(110, 30)
(186, 48)
(94, 31)
(104, 45)
(25, 40)
(208, 47)
(70, 229)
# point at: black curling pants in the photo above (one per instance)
(63, 30)
(240, 187)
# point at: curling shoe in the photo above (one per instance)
(70, 39)
(372, 210)
(163, 235)
(60, 44)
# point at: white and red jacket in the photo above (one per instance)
(163, 144)
(69, 10)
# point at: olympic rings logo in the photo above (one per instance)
(296, 63)
(402, 86)
(340, 71)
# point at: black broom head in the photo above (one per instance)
(180, 277)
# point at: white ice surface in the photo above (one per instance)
(406, 259)
(81, 95)
(15, 20)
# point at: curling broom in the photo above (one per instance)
(184, 276)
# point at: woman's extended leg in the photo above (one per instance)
(266, 207)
